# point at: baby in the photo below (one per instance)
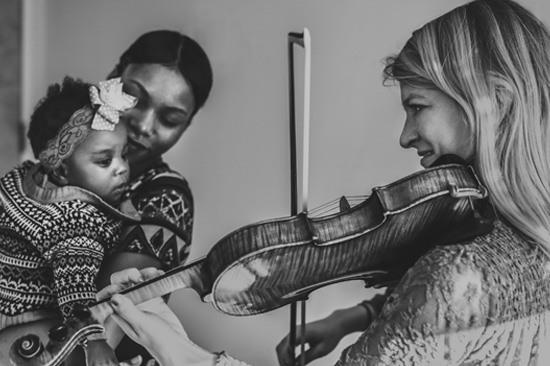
(60, 216)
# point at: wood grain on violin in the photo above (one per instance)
(272, 263)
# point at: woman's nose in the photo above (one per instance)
(142, 123)
(408, 136)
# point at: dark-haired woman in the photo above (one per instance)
(171, 77)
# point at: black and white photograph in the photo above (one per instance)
(275, 183)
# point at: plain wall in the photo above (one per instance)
(10, 54)
(236, 153)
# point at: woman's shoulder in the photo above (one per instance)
(456, 297)
(492, 272)
(497, 249)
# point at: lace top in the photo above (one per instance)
(485, 302)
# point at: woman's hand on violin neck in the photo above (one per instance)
(127, 278)
(132, 276)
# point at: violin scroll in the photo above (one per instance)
(29, 346)
(46, 342)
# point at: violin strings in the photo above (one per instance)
(334, 205)
(325, 205)
(325, 208)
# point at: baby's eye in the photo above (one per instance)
(104, 162)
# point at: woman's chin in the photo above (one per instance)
(139, 163)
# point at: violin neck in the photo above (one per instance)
(188, 276)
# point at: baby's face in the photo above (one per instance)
(100, 165)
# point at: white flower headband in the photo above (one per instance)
(108, 101)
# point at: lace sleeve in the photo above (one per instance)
(432, 318)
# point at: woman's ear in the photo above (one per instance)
(60, 175)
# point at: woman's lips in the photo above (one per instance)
(138, 144)
(426, 157)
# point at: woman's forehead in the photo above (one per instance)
(163, 85)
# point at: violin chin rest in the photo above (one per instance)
(476, 226)
(449, 159)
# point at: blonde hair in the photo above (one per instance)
(492, 57)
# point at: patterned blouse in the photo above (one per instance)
(485, 302)
(163, 199)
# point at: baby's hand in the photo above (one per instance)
(99, 353)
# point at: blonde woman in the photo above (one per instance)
(474, 82)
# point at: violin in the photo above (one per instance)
(266, 265)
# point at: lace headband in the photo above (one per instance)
(107, 102)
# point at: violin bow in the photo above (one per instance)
(304, 40)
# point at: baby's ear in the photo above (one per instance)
(60, 175)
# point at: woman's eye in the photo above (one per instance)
(173, 121)
(415, 108)
(139, 102)
(169, 122)
(133, 91)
